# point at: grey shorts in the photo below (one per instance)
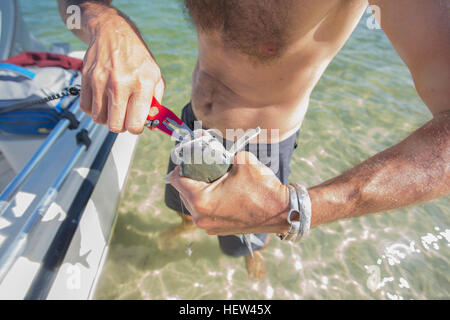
(232, 245)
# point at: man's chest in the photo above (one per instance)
(262, 28)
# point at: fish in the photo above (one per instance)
(204, 158)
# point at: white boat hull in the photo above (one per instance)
(77, 275)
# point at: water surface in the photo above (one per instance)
(364, 103)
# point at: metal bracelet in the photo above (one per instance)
(304, 203)
(294, 226)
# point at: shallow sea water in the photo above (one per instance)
(364, 103)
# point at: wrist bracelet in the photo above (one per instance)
(300, 203)
(294, 226)
(304, 202)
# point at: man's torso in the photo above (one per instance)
(259, 61)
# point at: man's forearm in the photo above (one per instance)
(92, 12)
(413, 171)
(89, 10)
(120, 75)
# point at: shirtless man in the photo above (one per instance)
(257, 65)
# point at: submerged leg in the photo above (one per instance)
(167, 237)
(256, 267)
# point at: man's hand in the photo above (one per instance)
(120, 76)
(248, 199)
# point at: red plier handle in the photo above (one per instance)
(164, 119)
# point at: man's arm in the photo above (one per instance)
(420, 33)
(120, 75)
(415, 170)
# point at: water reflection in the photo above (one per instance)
(394, 255)
(364, 103)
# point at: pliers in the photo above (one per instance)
(162, 118)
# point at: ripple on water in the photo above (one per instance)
(364, 103)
